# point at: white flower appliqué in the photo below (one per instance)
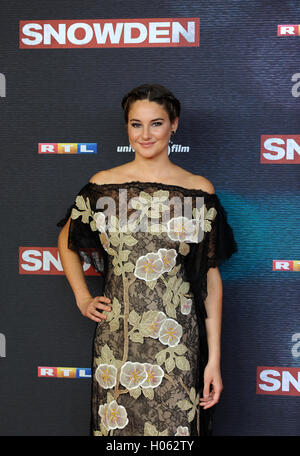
(132, 375)
(149, 267)
(170, 332)
(155, 326)
(168, 257)
(99, 218)
(181, 229)
(154, 376)
(182, 430)
(113, 415)
(106, 375)
(186, 307)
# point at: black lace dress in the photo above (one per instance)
(154, 243)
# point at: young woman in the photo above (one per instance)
(156, 364)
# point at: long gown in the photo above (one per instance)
(154, 244)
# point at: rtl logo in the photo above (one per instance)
(67, 148)
(288, 30)
(280, 149)
(286, 265)
(64, 372)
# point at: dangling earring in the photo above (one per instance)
(172, 134)
(170, 141)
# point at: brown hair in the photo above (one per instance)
(152, 92)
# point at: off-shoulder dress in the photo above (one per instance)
(154, 244)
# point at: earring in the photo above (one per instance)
(170, 141)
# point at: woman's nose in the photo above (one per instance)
(145, 133)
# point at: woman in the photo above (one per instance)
(156, 368)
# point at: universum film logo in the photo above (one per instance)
(172, 148)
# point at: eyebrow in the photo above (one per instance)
(159, 118)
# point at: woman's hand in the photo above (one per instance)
(89, 307)
(212, 378)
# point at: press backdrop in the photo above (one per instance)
(239, 89)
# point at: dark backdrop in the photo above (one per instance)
(234, 87)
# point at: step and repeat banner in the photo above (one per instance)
(64, 68)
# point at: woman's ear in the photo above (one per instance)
(175, 124)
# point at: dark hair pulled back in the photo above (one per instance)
(152, 92)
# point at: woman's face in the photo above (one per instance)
(149, 128)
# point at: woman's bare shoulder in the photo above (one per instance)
(202, 183)
(99, 177)
(105, 176)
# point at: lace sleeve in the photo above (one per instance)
(83, 236)
(221, 244)
(218, 244)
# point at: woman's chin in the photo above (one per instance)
(149, 152)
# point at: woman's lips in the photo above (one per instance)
(146, 144)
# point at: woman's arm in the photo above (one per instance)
(213, 306)
(74, 273)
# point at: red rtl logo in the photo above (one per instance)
(286, 265)
(288, 30)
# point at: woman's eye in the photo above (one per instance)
(138, 125)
